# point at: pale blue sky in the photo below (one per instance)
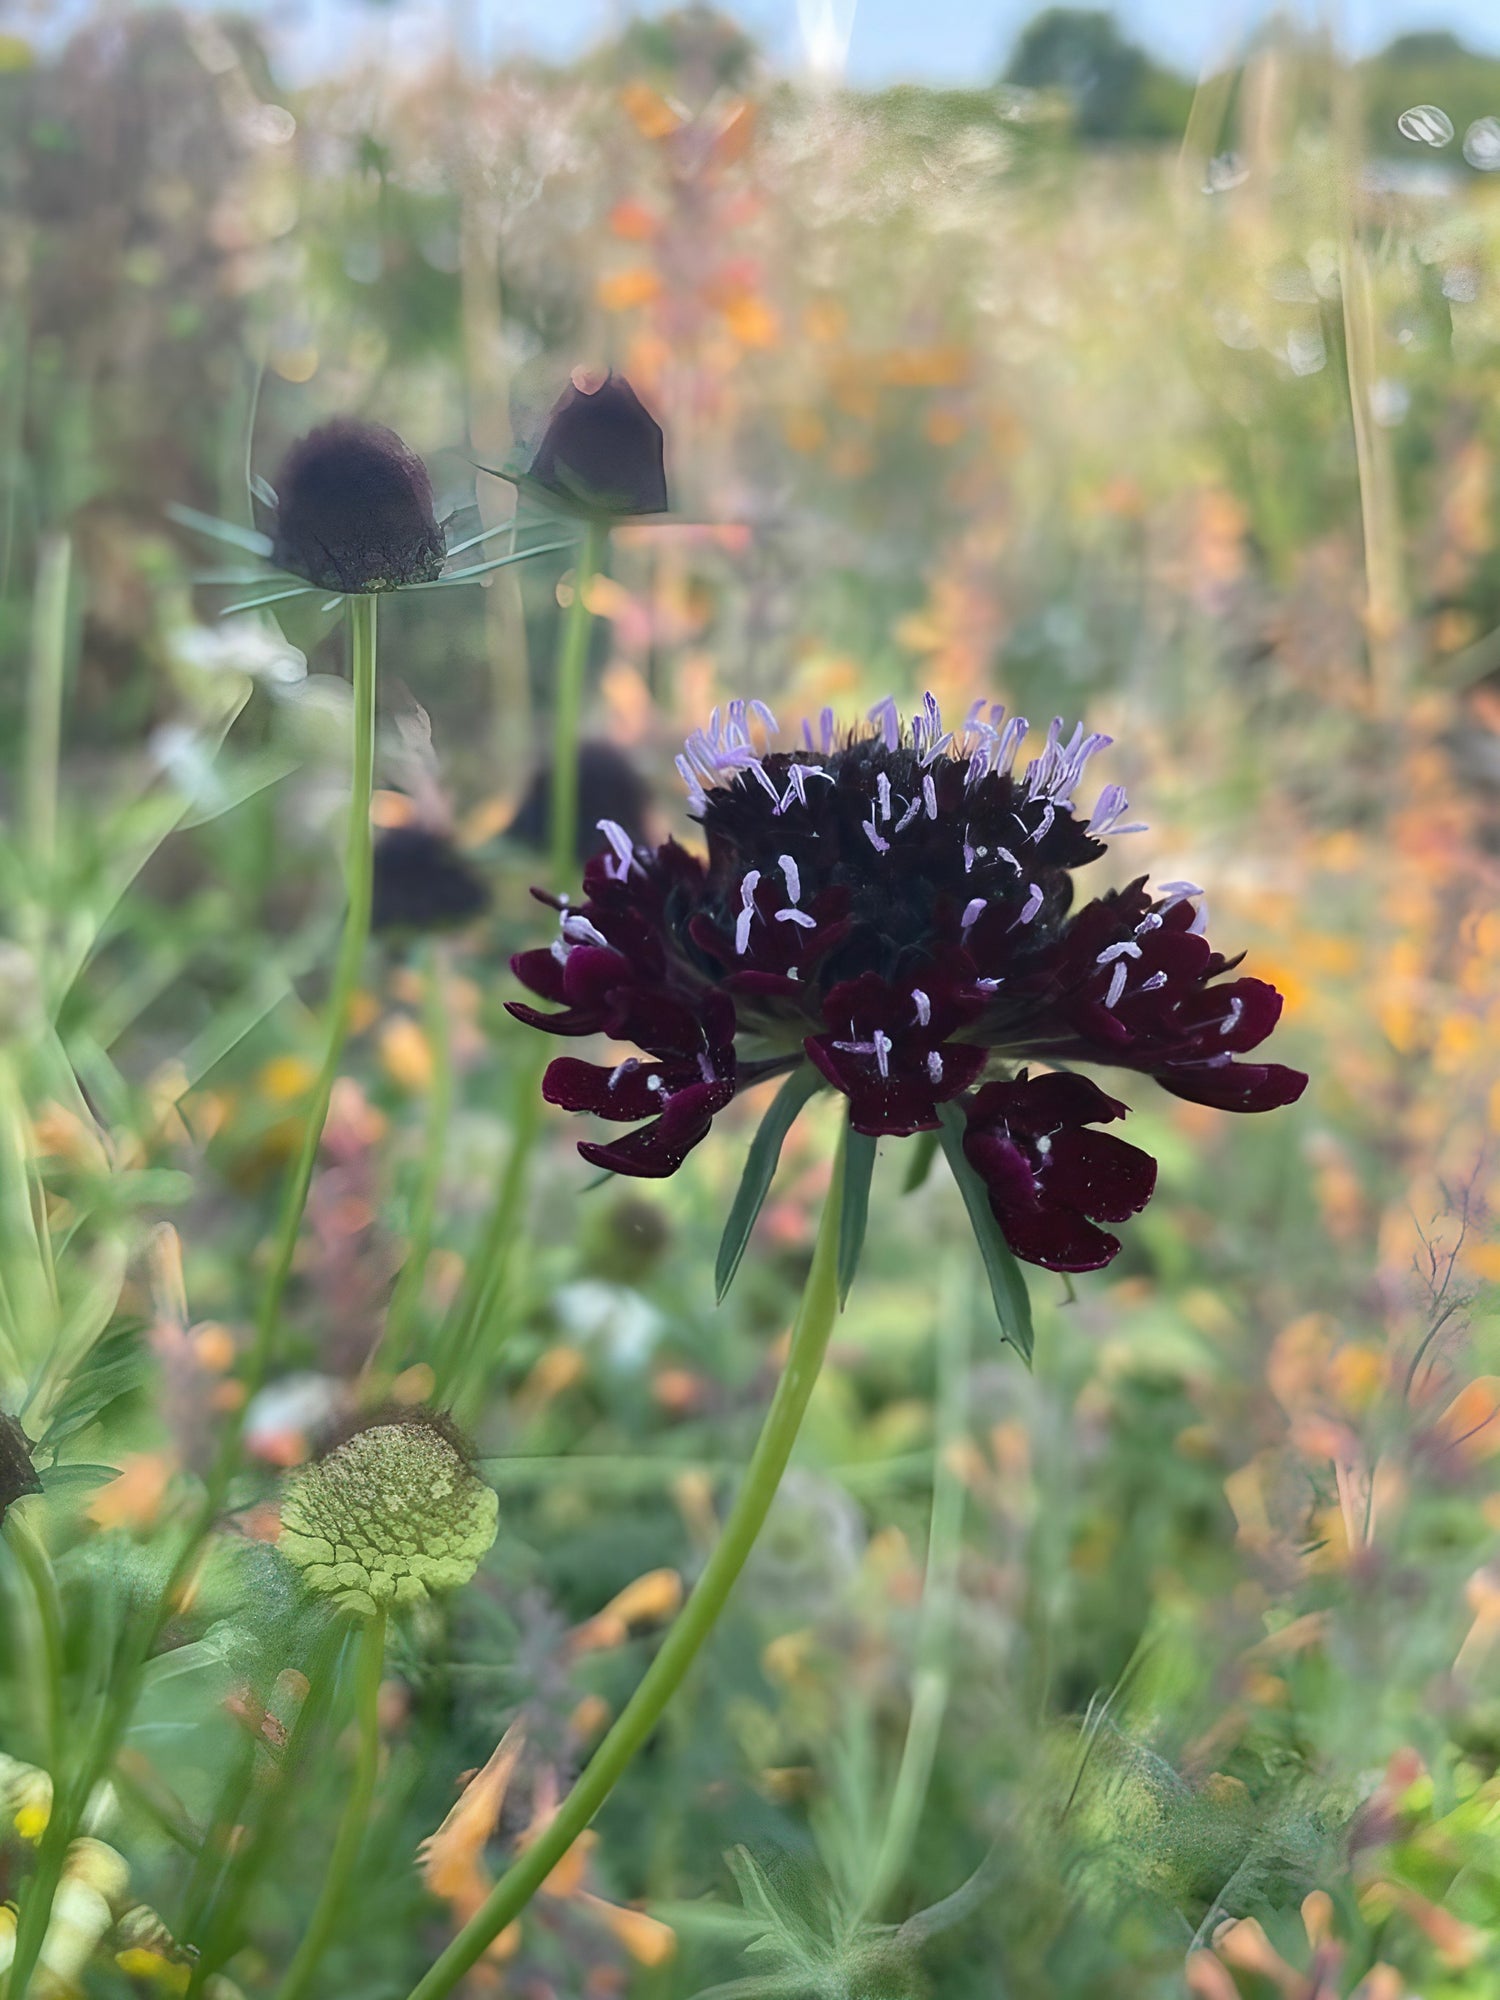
(881, 41)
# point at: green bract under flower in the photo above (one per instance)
(388, 1516)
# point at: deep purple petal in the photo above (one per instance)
(659, 1149)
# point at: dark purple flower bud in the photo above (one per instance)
(17, 1473)
(423, 883)
(610, 789)
(601, 454)
(1049, 1177)
(354, 511)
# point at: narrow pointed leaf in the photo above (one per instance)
(760, 1168)
(1007, 1286)
(859, 1165)
(220, 531)
(923, 1152)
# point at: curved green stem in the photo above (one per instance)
(424, 1204)
(358, 876)
(814, 1324)
(368, 1665)
(572, 659)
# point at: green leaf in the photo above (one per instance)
(760, 1169)
(923, 1153)
(859, 1164)
(1007, 1286)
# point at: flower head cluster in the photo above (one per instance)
(602, 454)
(355, 511)
(894, 905)
(390, 1514)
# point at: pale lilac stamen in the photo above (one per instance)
(578, 930)
(1035, 897)
(1232, 1019)
(882, 1044)
(623, 846)
(929, 796)
(883, 793)
(923, 1006)
(771, 725)
(1116, 984)
(973, 911)
(934, 1066)
(1155, 983)
(888, 716)
(623, 1069)
(793, 876)
(799, 917)
(908, 816)
(827, 729)
(1111, 952)
(880, 846)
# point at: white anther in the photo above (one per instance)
(1035, 897)
(1125, 949)
(882, 1045)
(578, 930)
(1116, 983)
(627, 1068)
(923, 1006)
(929, 796)
(1232, 1019)
(973, 911)
(793, 879)
(798, 917)
(883, 793)
(1155, 983)
(934, 1066)
(880, 846)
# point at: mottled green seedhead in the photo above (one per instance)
(388, 1516)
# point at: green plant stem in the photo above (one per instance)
(70, 1800)
(424, 1204)
(931, 1679)
(368, 1666)
(484, 1284)
(358, 877)
(572, 660)
(44, 697)
(36, 1566)
(815, 1319)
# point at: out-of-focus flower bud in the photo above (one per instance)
(354, 511)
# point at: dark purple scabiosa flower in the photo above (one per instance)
(354, 511)
(601, 454)
(890, 911)
(421, 882)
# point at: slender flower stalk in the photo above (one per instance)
(424, 1204)
(368, 1666)
(358, 877)
(810, 1334)
(572, 659)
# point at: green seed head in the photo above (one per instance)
(390, 1514)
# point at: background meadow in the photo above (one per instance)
(1167, 1666)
